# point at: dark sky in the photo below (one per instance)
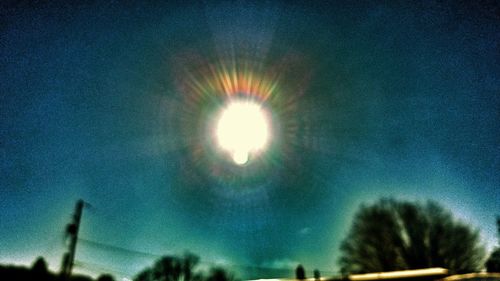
(110, 102)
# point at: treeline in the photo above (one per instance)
(40, 272)
(167, 268)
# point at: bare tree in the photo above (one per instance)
(219, 274)
(397, 235)
(171, 268)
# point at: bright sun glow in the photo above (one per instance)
(242, 129)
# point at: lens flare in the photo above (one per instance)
(240, 157)
(237, 119)
(242, 129)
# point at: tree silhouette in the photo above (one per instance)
(493, 263)
(171, 268)
(39, 266)
(105, 277)
(39, 270)
(317, 274)
(397, 235)
(167, 268)
(219, 274)
(300, 273)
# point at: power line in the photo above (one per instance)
(118, 249)
(113, 248)
(97, 268)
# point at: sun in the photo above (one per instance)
(242, 129)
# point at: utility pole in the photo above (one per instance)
(72, 231)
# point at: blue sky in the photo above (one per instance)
(377, 100)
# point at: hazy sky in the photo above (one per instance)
(112, 103)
